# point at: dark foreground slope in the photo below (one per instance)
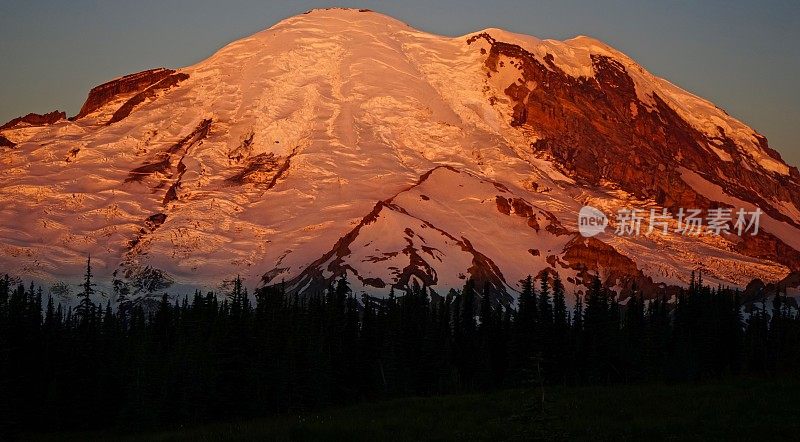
(734, 409)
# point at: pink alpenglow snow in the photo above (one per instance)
(344, 142)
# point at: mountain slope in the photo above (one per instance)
(345, 141)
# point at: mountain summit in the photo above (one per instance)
(346, 142)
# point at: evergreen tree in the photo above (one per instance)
(217, 356)
(86, 307)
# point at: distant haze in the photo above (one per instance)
(743, 56)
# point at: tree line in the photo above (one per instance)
(212, 356)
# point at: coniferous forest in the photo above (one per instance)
(209, 357)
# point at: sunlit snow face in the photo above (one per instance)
(313, 122)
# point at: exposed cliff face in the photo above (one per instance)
(129, 84)
(599, 129)
(35, 119)
(590, 258)
(147, 94)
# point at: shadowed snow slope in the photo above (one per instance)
(344, 141)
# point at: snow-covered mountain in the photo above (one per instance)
(344, 141)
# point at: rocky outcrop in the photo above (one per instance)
(483, 271)
(597, 129)
(531, 214)
(757, 291)
(244, 149)
(129, 84)
(263, 169)
(151, 224)
(36, 119)
(503, 206)
(168, 167)
(165, 162)
(148, 93)
(595, 255)
(5, 142)
(258, 169)
(313, 280)
(592, 257)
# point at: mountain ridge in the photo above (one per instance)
(311, 125)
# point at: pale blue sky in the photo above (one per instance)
(742, 55)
